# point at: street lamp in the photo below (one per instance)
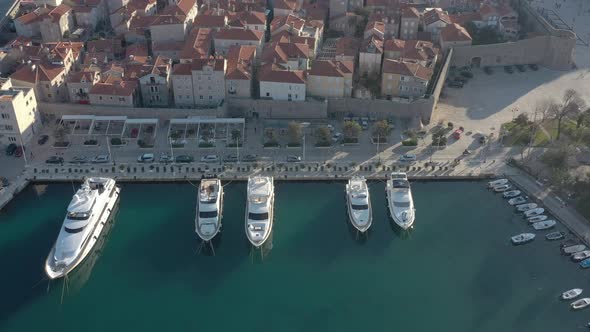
(303, 126)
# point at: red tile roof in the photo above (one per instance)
(453, 33)
(411, 49)
(289, 20)
(410, 12)
(38, 72)
(331, 68)
(239, 62)
(167, 20)
(59, 11)
(209, 21)
(81, 77)
(245, 18)
(288, 37)
(239, 34)
(372, 45)
(347, 46)
(218, 64)
(281, 52)
(271, 72)
(34, 16)
(198, 44)
(406, 69)
(183, 7)
(287, 5)
(436, 15)
(116, 88)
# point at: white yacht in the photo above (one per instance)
(359, 203)
(88, 213)
(399, 200)
(259, 209)
(209, 209)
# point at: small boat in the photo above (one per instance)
(259, 209)
(580, 256)
(570, 250)
(581, 303)
(569, 242)
(511, 193)
(571, 294)
(498, 182)
(400, 200)
(555, 236)
(534, 212)
(542, 225)
(502, 188)
(517, 200)
(209, 209)
(537, 218)
(526, 207)
(585, 263)
(522, 238)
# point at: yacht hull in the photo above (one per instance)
(361, 227)
(392, 211)
(259, 243)
(207, 237)
(56, 272)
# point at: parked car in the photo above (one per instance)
(19, 151)
(54, 160)
(488, 70)
(509, 69)
(336, 137)
(10, 149)
(293, 159)
(184, 159)
(329, 126)
(101, 159)
(165, 158)
(230, 158)
(210, 158)
(79, 160)
(457, 133)
(43, 139)
(456, 84)
(408, 157)
(520, 68)
(250, 158)
(482, 139)
(146, 158)
(534, 66)
(365, 124)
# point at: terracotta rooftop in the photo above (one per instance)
(410, 12)
(281, 52)
(411, 49)
(372, 45)
(167, 46)
(289, 20)
(271, 72)
(454, 33)
(239, 34)
(59, 11)
(239, 62)
(245, 18)
(138, 52)
(34, 16)
(183, 7)
(37, 72)
(218, 64)
(167, 19)
(287, 37)
(375, 25)
(287, 5)
(197, 44)
(436, 15)
(116, 88)
(347, 46)
(331, 68)
(81, 77)
(210, 21)
(111, 46)
(406, 69)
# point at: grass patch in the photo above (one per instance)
(520, 135)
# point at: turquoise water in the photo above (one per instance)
(456, 271)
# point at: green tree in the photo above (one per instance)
(522, 120)
(351, 130)
(381, 128)
(556, 158)
(236, 135)
(295, 132)
(323, 134)
(439, 137)
(571, 107)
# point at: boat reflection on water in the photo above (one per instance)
(76, 279)
(259, 254)
(356, 235)
(209, 248)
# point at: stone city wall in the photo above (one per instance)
(57, 110)
(276, 109)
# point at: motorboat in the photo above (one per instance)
(498, 182)
(517, 200)
(502, 188)
(526, 207)
(534, 212)
(571, 294)
(359, 203)
(585, 263)
(542, 225)
(87, 215)
(511, 193)
(400, 200)
(522, 238)
(569, 242)
(553, 236)
(259, 209)
(209, 209)
(580, 256)
(537, 218)
(570, 250)
(581, 303)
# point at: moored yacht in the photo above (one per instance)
(87, 214)
(359, 203)
(399, 200)
(259, 209)
(209, 209)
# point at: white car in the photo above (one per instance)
(146, 158)
(336, 137)
(101, 159)
(210, 158)
(408, 158)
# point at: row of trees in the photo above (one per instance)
(572, 107)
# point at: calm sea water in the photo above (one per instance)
(456, 271)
